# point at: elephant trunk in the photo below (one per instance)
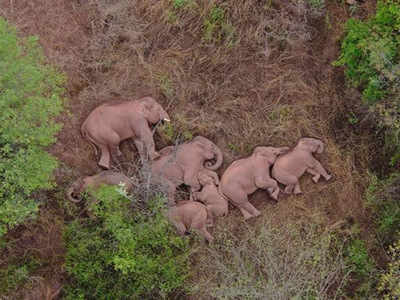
(218, 162)
(70, 193)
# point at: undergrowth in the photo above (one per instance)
(29, 100)
(121, 253)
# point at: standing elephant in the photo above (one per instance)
(106, 177)
(290, 167)
(188, 215)
(109, 124)
(181, 164)
(244, 176)
(216, 204)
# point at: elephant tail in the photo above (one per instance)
(87, 136)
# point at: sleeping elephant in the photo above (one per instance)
(216, 204)
(244, 176)
(290, 167)
(109, 124)
(106, 177)
(181, 164)
(188, 215)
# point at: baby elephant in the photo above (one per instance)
(105, 177)
(216, 204)
(290, 167)
(244, 176)
(188, 215)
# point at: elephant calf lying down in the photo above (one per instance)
(188, 215)
(105, 177)
(216, 204)
(244, 176)
(289, 167)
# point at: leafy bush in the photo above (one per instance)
(370, 51)
(371, 54)
(383, 197)
(358, 258)
(290, 261)
(121, 254)
(389, 283)
(29, 100)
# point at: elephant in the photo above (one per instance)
(105, 177)
(181, 164)
(244, 176)
(290, 167)
(216, 204)
(188, 215)
(110, 123)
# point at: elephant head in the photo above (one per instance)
(311, 145)
(210, 151)
(75, 190)
(208, 177)
(152, 111)
(269, 154)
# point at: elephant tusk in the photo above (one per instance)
(166, 120)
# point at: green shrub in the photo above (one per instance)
(389, 283)
(371, 54)
(370, 51)
(383, 197)
(123, 254)
(358, 258)
(29, 100)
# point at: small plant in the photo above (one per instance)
(216, 28)
(122, 253)
(30, 99)
(357, 256)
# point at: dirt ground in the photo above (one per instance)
(263, 78)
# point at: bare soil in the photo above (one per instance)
(269, 82)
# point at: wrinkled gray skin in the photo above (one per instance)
(244, 176)
(106, 177)
(181, 164)
(110, 123)
(188, 215)
(289, 167)
(216, 204)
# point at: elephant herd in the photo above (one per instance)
(194, 164)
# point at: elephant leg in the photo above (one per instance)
(320, 169)
(314, 173)
(210, 221)
(251, 209)
(289, 189)
(180, 227)
(140, 148)
(146, 137)
(274, 192)
(171, 194)
(297, 189)
(203, 231)
(105, 156)
(190, 178)
(245, 213)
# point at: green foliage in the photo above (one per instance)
(389, 283)
(15, 274)
(123, 254)
(357, 256)
(370, 51)
(216, 28)
(383, 198)
(29, 100)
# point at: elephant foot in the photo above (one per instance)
(316, 178)
(154, 155)
(298, 192)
